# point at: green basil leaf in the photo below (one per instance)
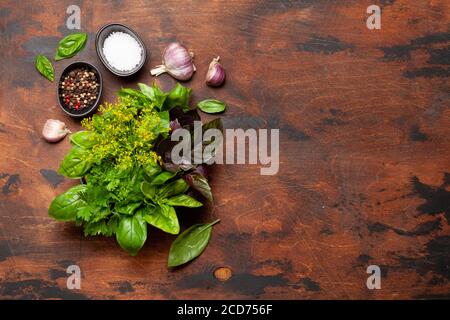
(83, 139)
(178, 97)
(200, 183)
(211, 106)
(163, 217)
(164, 124)
(173, 188)
(148, 190)
(70, 45)
(64, 207)
(131, 233)
(128, 208)
(45, 67)
(151, 170)
(127, 92)
(74, 165)
(162, 177)
(183, 200)
(154, 94)
(190, 244)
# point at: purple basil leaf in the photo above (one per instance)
(174, 124)
(199, 183)
(201, 169)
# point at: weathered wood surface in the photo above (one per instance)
(365, 151)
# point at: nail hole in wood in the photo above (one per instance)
(223, 273)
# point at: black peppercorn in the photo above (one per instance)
(79, 89)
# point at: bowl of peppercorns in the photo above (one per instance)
(79, 89)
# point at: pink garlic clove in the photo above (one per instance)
(54, 130)
(216, 73)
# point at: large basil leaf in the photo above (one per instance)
(64, 207)
(183, 200)
(154, 94)
(70, 45)
(178, 97)
(163, 217)
(83, 139)
(190, 244)
(173, 188)
(45, 67)
(162, 177)
(211, 106)
(131, 233)
(74, 164)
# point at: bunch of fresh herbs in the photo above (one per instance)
(128, 179)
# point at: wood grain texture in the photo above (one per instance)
(364, 177)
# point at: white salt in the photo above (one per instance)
(122, 51)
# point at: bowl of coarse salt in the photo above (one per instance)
(120, 49)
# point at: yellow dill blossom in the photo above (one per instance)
(125, 134)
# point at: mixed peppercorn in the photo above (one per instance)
(79, 89)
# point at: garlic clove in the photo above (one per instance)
(216, 73)
(54, 130)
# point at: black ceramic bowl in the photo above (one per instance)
(103, 33)
(90, 110)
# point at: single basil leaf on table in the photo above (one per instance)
(154, 94)
(45, 67)
(173, 188)
(83, 139)
(74, 165)
(70, 45)
(190, 244)
(131, 233)
(211, 106)
(183, 200)
(162, 178)
(163, 217)
(64, 207)
(178, 97)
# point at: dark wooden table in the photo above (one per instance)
(364, 177)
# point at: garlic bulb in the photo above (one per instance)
(216, 73)
(177, 61)
(54, 130)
